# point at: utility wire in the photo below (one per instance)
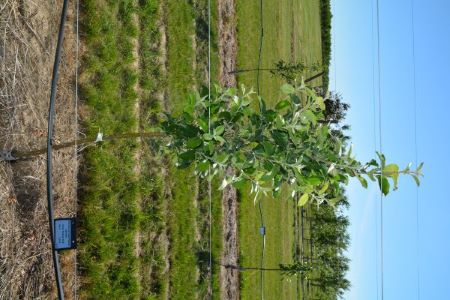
(374, 144)
(415, 144)
(380, 146)
(51, 117)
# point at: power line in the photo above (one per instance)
(374, 125)
(51, 117)
(415, 144)
(380, 146)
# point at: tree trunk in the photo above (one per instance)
(20, 155)
(314, 77)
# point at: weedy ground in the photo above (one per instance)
(28, 40)
(145, 228)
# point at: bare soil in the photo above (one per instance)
(28, 32)
(229, 278)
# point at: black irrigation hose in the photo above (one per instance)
(51, 117)
(261, 38)
(260, 45)
(262, 249)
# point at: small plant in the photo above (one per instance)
(292, 71)
(290, 144)
(287, 71)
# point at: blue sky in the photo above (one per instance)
(352, 75)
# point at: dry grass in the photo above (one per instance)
(229, 278)
(28, 31)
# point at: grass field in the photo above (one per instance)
(189, 206)
(146, 233)
(109, 208)
(292, 32)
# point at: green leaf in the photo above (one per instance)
(373, 163)
(203, 166)
(193, 143)
(390, 169)
(282, 104)
(308, 117)
(219, 130)
(270, 115)
(303, 199)
(219, 139)
(269, 148)
(384, 185)
(222, 158)
(419, 168)
(281, 138)
(416, 179)
(363, 181)
(192, 99)
(240, 183)
(382, 159)
(324, 188)
(209, 148)
(314, 180)
(188, 155)
(203, 125)
(320, 103)
(287, 89)
(189, 130)
(207, 137)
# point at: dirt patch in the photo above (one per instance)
(227, 42)
(229, 278)
(28, 32)
(137, 112)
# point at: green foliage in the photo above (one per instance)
(290, 72)
(294, 269)
(267, 148)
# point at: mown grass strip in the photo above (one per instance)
(153, 243)
(109, 213)
(326, 16)
(294, 28)
(187, 67)
(181, 80)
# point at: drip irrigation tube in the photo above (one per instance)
(51, 117)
